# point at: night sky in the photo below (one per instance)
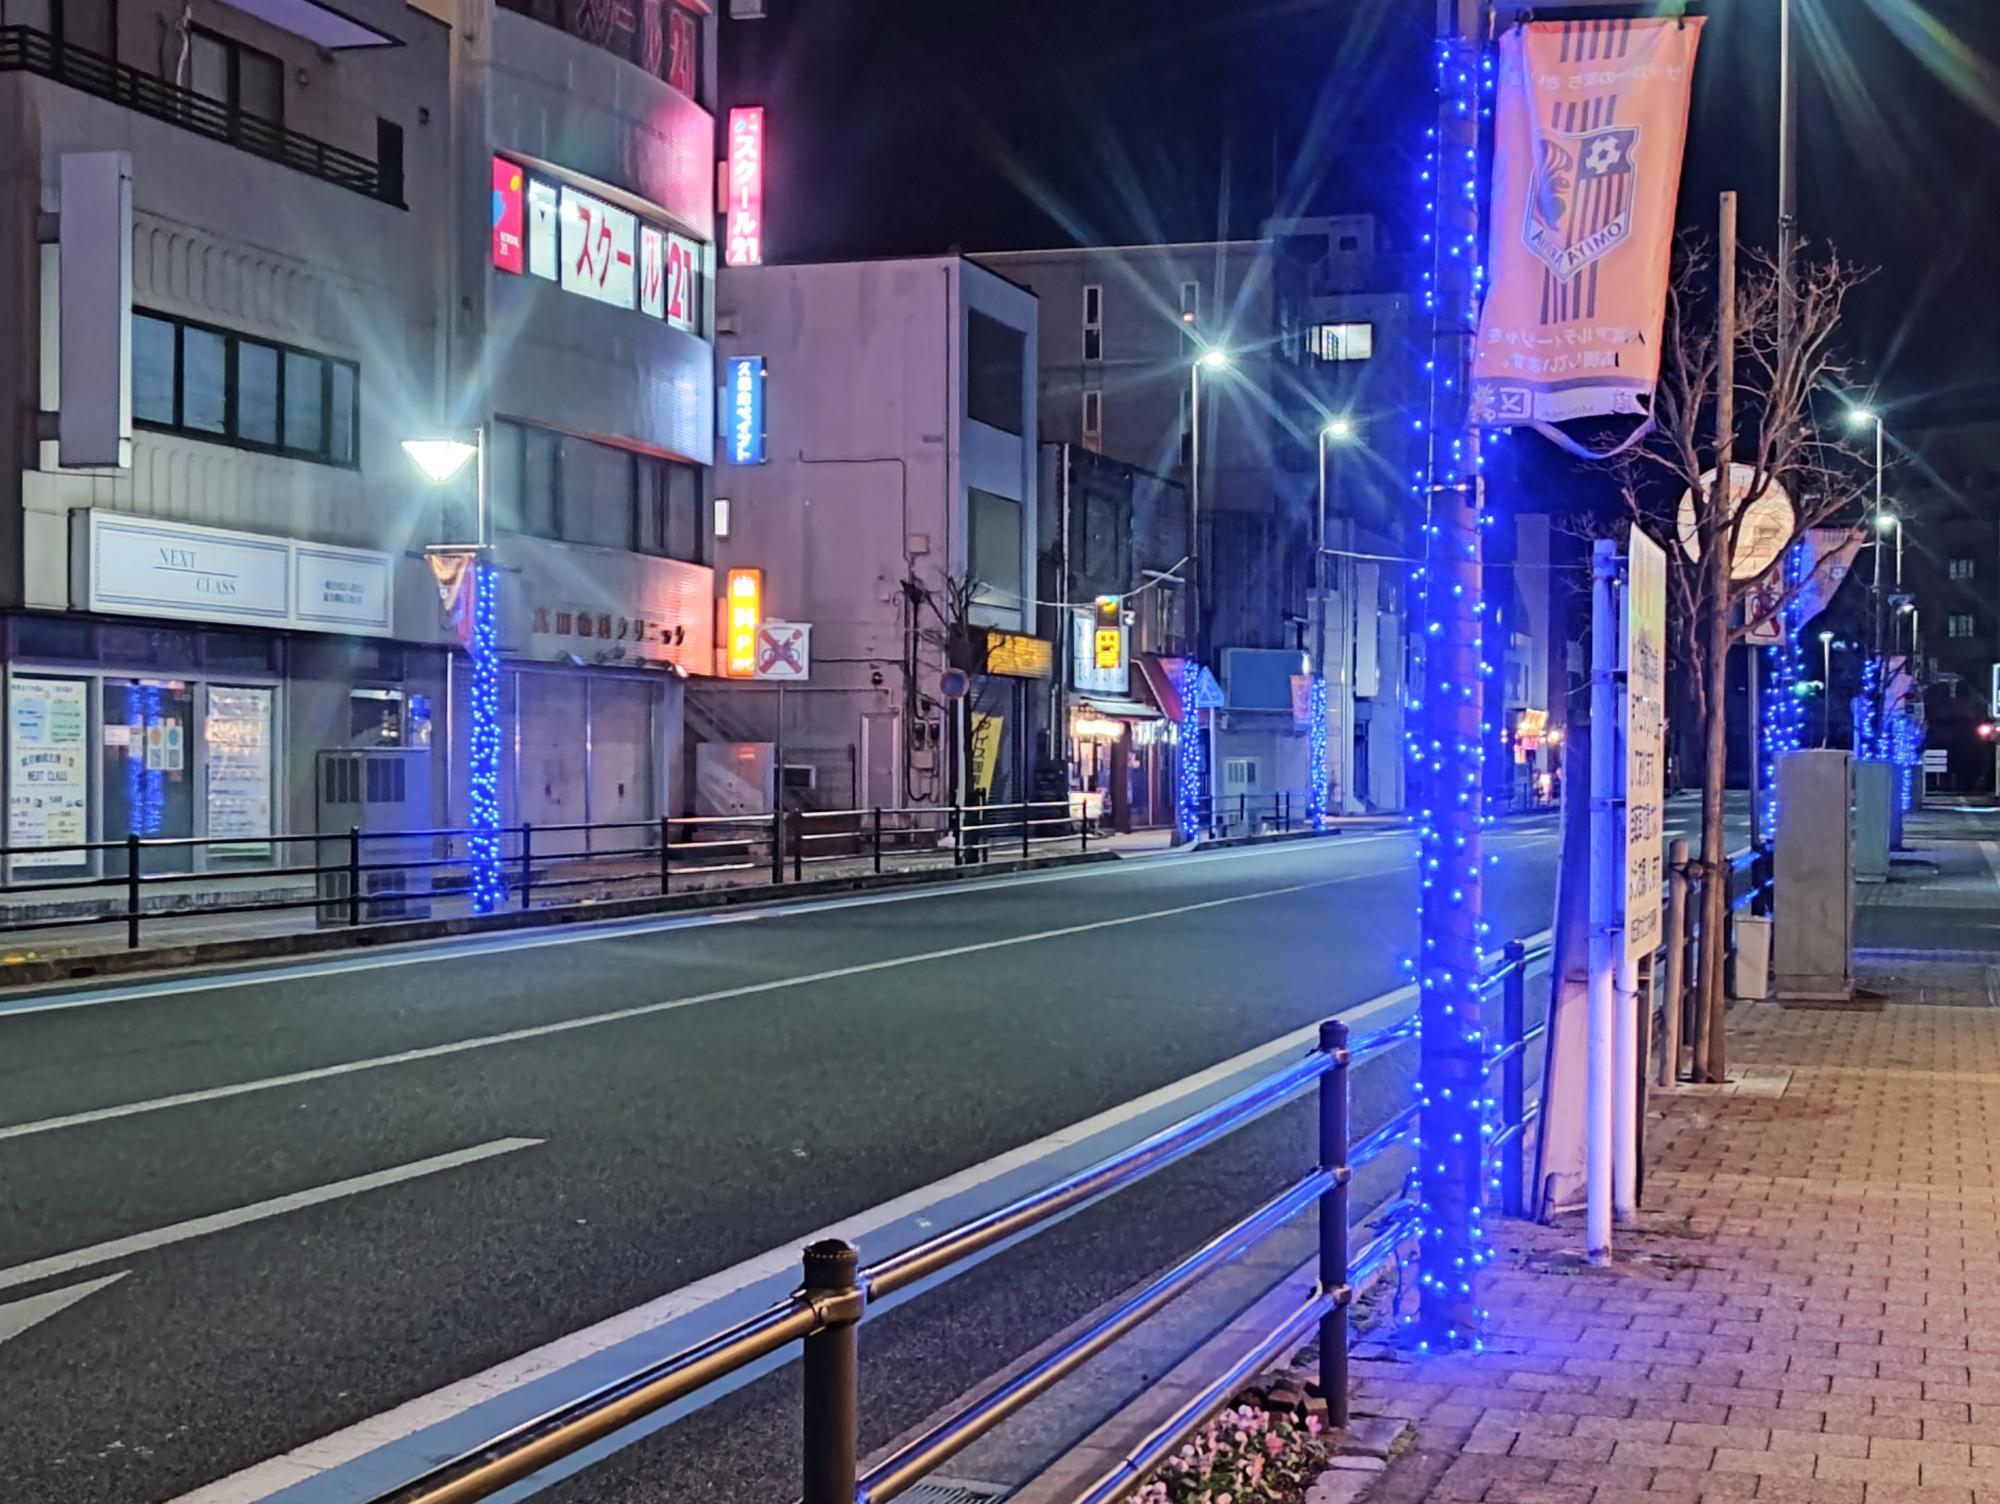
(914, 126)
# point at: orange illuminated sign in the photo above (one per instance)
(743, 613)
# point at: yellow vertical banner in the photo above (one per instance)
(986, 741)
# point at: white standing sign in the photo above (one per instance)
(1645, 743)
(236, 753)
(47, 779)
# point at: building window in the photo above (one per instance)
(239, 78)
(90, 24)
(1093, 422)
(1190, 302)
(1960, 624)
(1093, 322)
(209, 383)
(1961, 569)
(1341, 341)
(996, 548)
(570, 490)
(996, 358)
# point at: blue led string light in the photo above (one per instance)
(1448, 732)
(489, 886)
(1317, 771)
(1785, 685)
(1193, 771)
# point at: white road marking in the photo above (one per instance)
(583, 932)
(257, 1211)
(17, 1316)
(391, 1426)
(645, 1010)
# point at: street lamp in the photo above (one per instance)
(1863, 417)
(1214, 359)
(441, 459)
(1886, 522)
(1334, 430)
(1826, 680)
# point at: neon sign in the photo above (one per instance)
(743, 408)
(743, 184)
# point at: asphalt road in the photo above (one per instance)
(242, 1215)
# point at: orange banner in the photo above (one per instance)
(1586, 174)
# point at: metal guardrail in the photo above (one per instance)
(837, 1291)
(25, 49)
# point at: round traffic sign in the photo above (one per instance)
(954, 683)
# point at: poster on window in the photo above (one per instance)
(48, 783)
(236, 751)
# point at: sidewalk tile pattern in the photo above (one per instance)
(1808, 1310)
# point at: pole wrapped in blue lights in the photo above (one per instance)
(482, 844)
(1784, 669)
(1449, 727)
(1193, 773)
(1317, 770)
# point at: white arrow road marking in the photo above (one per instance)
(18, 1316)
(257, 1211)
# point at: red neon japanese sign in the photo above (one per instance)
(743, 182)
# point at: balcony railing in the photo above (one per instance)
(26, 50)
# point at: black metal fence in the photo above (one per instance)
(24, 49)
(837, 1291)
(355, 878)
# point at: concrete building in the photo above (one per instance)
(890, 503)
(317, 271)
(1315, 324)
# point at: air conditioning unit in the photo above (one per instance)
(385, 794)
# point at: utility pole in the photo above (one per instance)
(1448, 750)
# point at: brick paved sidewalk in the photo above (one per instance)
(1809, 1310)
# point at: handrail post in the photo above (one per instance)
(1288, 812)
(777, 843)
(1762, 865)
(955, 825)
(1333, 1212)
(1676, 981)
(666, 854)
(877, 814)
(1514, 1074)
(1243, 812)
(132, 891)
(833, 1374)
(528, 861)
(353, 874)
(798, 842)
(1083, 828)
(1027, 829)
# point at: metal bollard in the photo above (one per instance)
(131, 892)
(666, 855)
(833, 1374)
(1333, 1212)
(353, 874)
(527, 863)
(1514, 1074)
(1676, 977)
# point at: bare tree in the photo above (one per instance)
(1708, 416)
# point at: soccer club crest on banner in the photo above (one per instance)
(1588, 142)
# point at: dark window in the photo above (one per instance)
(553, 485)
(189, 378)
(305, 402)
(995, 358)
(90, 24)
(239, 78)
(204, 381)
(256, 393)
(996, 548)
(153, 378)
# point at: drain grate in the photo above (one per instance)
(950, 1491)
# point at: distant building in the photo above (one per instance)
(1312, 325)
(891, 503)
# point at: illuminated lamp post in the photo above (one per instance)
(1333, 431)
(440, 460)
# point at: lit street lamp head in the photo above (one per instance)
(1861, 417)
(439, 459)
(1340, 430)
(1215, 360)
(1826, 639)
(1887, 521)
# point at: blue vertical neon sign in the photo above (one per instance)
(743, 408)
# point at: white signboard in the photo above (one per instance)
(652, 271)
(543, 235)
(1645, 742)
(237, 761)
(136, 566)
(784, 651)
(1084, 674)
(600, 252)
(668, 268)
(341, 589)
(47, 780)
